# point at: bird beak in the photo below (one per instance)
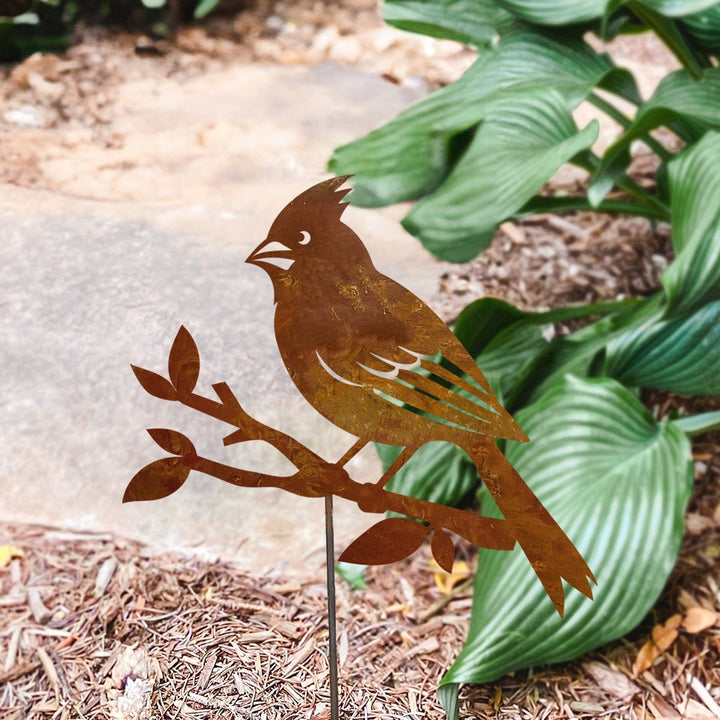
(272, 253)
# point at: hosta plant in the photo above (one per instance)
(480, 151)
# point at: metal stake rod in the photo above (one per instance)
(332, 617)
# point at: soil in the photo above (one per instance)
(168, 626)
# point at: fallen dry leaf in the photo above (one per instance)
(648, 654)
(663, 636)
(8, 552)
(698, 619)
(445, 582)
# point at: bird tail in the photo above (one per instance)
(549, 550)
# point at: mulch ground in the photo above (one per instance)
(94, 626)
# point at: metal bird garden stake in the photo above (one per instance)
(376, 361)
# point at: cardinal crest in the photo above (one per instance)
(376, 361)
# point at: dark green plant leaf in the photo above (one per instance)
(618, 483)
(448, 696)
(439, 472)
(693, 278)
(580, 352)
(616, 20)
(411, 155)
(482, 320)
(573, 203)
(621, 82)
(679, 97)
(520, 145)
(677, 8)
(556, 12)
(681, 355)
(20, 39)
(510, 345)
(704, 29)
(507, 359)
(477, 22)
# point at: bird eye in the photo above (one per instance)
(306, 237)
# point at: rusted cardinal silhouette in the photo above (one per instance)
(377, 362)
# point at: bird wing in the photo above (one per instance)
(436, 383)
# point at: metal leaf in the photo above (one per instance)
(385, 542)
(154, 384)
(172, 441)
(443, 550)
(157, 480)
(184, 362)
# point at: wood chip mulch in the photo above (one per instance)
(95, 626)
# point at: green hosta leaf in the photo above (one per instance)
(411, 155)
(704, 29)
(677, 8)
(680, 355)
(510, 355)
(507, 342)
(580, 352)
(698, 424)
(472, 21)
(556, 12)
(693, 279)
(439, 472)
(482, 320)
(521, 144)
(621, 82)
(618, 483)
(679, 97)
(204, 7)
(352, 574)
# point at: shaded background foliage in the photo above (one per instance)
(30, 26)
